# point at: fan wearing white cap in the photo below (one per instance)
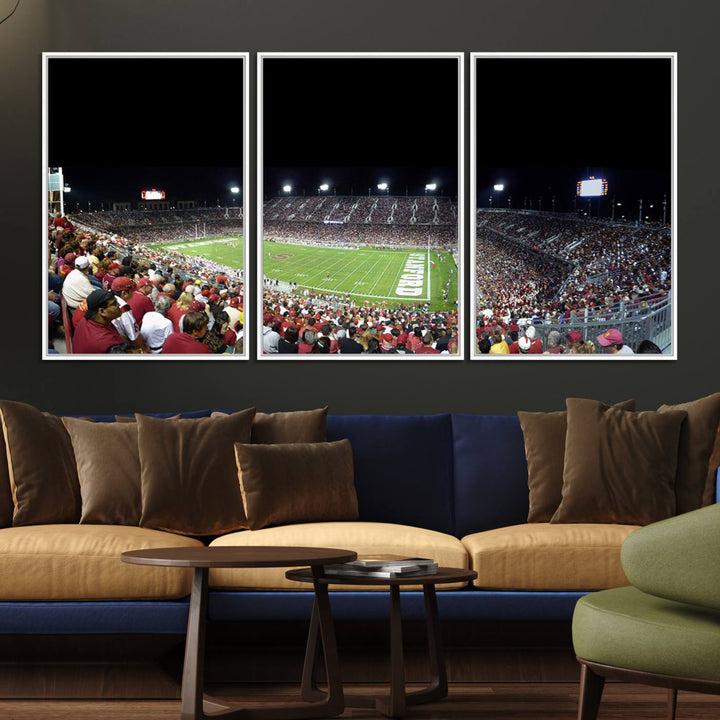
(77, 285)
(534, 344)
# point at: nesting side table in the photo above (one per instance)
(196, 707)
(395, 703)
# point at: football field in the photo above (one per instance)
(224, 250)
(377, 275)
(391, 276)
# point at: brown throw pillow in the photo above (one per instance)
(697, 439)
(108, 466)
(6, 499)
(710, 491)
(297, 483)
(544, 435)
(619, 466)
(297, 426)
(41, 466)
(188, 473)
(131, 418)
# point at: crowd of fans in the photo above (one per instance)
(529, 265)
(378, 221)
(123, 297)
(513, 338)
(336, 235)
(113, 221)
(376, 210)
(159, 227)
(307, 322)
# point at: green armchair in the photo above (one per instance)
(664, 629)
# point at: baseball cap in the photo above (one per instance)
(143, 282)
(610, 337)
(524, 344)
(69, 258)
(574, 336)
(81, 262)
(530, 332)
(122, 283)
(96, 299)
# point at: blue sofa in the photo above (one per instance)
(455, 474)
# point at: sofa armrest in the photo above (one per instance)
(677, 558)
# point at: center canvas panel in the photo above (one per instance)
(359, 167)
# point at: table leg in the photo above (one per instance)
(398, 700)
(308, 687)
(196, 707)
(335, 703)
(193, 669)
(438, 687)
(395, 707)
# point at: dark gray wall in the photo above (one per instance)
(689, 28)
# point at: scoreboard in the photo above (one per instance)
(152, 194)
(592, 187)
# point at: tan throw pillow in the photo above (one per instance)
(188, 473)
(297, 426)
(41, 466)
(697, 439)
(108, 466)
(544, 436)
(619, 466)
(297, 483)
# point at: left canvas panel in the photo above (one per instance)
(145, 180)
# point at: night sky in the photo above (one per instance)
(118, 126)
(542, 124)
(356, 122)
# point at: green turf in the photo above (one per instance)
(368, 274)
(224, 250)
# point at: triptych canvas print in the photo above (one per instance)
(337, 223)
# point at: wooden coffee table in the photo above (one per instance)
(395, 704)
(193, 705)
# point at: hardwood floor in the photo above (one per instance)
(467, 701)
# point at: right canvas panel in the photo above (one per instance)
(573, 198)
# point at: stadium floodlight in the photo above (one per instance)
(431, 186)
(499, 187)
(234, 189)
(382, 186)
(67, 188)
(324, 187)
(287, 188)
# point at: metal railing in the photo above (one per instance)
(638, 320)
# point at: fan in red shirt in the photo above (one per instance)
(189, 341)
(140, 303)
(95, 332)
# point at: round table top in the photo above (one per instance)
(238, 557)
(443, 575)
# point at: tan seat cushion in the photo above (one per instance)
(82, 562)
(365, 538)
(544, 556)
